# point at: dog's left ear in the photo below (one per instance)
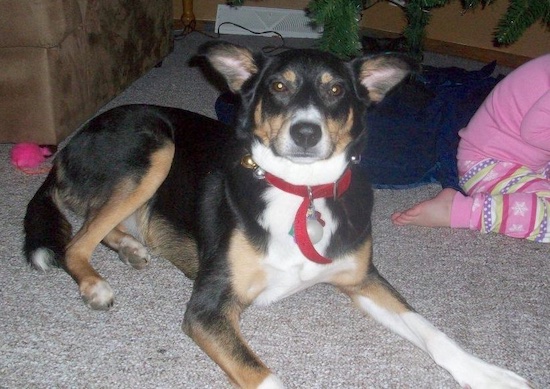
(235, 63)
(380, 73)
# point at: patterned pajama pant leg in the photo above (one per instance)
(509, 199)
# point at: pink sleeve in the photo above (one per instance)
(535, 126)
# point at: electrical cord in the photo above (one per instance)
(191, 28)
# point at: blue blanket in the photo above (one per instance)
(413, 134)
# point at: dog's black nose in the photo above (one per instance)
(306, 134)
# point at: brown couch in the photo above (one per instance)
(61, 60)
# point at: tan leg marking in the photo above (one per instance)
(353, 278)
(226, 346)
(175, 246)
(360, 283)
(222, 339)
(376, 297)
(247, 274)
(126, 199)
(382, 294)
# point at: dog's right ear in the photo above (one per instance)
(378, 74)
(235, 63)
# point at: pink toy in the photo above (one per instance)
(28, 156)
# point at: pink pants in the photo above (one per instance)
(503, 197)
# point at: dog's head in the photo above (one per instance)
(304, 106)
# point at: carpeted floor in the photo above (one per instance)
(488, 292)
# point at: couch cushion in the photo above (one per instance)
(47, 92)
(33, 23)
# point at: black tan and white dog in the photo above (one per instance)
(253, 214)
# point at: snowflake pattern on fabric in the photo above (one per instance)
(475, 170)
(520, 208)
(491, 176)
(477, 204)
(516, 228)
(508, 198)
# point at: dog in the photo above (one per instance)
(252, 213)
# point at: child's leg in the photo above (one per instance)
(505, 198)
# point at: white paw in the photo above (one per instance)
(482, 375)
(98, 296)
(271, 382)
(133, 253)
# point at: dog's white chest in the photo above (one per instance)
(285, 281)
(287, 269)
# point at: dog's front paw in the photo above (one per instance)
(271, 382)
(97, 294)
(482, 375)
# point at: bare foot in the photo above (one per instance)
(435, 212)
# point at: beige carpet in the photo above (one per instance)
(489, 292)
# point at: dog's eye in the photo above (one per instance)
(278, 86)
(336, 90)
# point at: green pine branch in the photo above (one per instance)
(520, 15)
(340, 21)
(471, 4)
(418, 17)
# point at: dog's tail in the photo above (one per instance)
(47, 230)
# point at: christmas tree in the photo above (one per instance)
(340, 21)
(519, 16)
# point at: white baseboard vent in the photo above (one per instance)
(287, 22)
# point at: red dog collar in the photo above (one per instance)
(309, 193)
